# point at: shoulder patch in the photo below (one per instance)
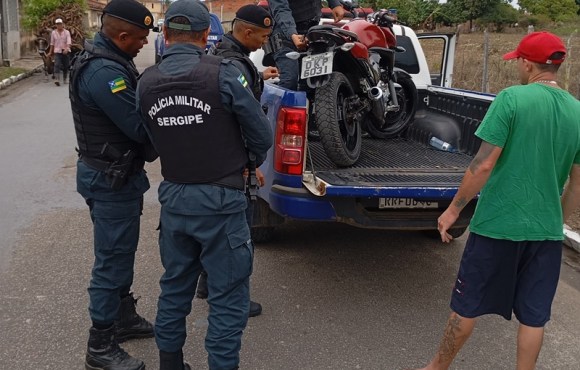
(118, 84)
(242, 80)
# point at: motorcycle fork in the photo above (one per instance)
(395, 106)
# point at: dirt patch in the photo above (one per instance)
(574, 221)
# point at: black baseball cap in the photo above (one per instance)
(255, 15)
(130, 11)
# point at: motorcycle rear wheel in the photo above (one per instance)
(397, 122)
(340, 138)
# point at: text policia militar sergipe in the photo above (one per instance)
(184, 100)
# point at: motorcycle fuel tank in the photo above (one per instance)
(369, 34)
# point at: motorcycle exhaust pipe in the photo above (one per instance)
(375, 93)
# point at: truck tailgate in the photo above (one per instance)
(391, 163)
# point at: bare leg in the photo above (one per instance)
(456, 333)
(529, 345)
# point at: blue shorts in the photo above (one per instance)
(501, 276)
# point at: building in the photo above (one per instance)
(9, 31)
(226, 9)
(93, 13)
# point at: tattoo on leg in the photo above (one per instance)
(447, 349)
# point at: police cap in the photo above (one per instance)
(194, 10)
(255, 15)
(130, 11)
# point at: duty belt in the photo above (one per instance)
(104, 166)
(233, 181)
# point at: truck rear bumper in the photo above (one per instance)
(363, 212)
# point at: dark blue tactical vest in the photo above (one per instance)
(197, 139)
(93, 127)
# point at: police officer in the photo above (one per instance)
(292, 19)
(112, 144)
(202, 118)
(251, 28)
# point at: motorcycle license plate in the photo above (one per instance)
(392, 203)
(317, 65)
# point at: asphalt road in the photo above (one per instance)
(334, 296)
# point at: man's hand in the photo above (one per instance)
(270, 72)
(260, 177)
(445, 221)
(299, 41)
(338, 13)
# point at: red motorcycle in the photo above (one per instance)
(353, 84)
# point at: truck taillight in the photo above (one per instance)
(290, 133)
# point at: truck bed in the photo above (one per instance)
(391, 163)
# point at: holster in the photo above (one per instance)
(275, 43)
(119, 169)
(252, 180)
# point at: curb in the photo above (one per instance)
(13, 79)
(571, 238)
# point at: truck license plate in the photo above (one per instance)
(406, 203)
(317, 65)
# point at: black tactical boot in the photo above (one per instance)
(130, 324)
(104, 353)
(255, 309)
(172, 361)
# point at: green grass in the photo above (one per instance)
(6, 72)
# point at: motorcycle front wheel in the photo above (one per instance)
(396, 122)
(340, 136)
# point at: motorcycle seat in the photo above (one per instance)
(320, 27)
(337, 30)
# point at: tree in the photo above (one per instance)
(469, 10)
(556, 10)
(500, 15)
(412, 12)
(36, 10)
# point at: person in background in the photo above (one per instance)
(292, 19)
(512, 257)
(113, 147)
(203, 121)
(60, 42)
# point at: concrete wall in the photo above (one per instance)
(226, 9)
(9, 31)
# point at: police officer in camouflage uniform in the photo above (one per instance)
(203, 119)
(251, 28)
(112, 147)
(292, 19)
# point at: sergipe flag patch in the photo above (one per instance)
(117, 85)
(243, 80)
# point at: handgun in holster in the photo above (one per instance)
(252, 180)
(118, 172)
(275, 43)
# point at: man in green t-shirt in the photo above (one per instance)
(530, 146)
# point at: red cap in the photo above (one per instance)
(539, 47)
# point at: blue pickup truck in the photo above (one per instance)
(400, 184)
(215, 35)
